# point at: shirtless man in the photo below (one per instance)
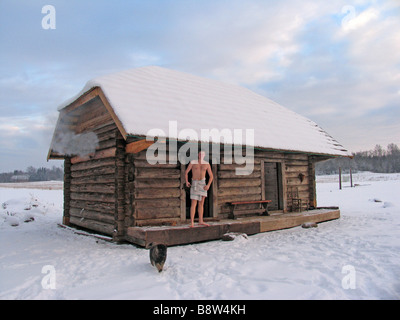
(198, 187)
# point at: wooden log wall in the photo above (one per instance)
(232, 187)
(296, 165)
(153, 193)
(97, 180)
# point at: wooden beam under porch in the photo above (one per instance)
(182, 234)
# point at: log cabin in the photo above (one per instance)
(105, 132)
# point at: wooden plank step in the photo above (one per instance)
(172, 236)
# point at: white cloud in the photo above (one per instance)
(248, 42)
(374, 54)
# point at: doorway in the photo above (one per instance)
(207, 202)
(273, 186)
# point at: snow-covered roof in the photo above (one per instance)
(150, 97)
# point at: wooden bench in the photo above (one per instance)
(237, 212)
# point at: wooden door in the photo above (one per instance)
(273, 184)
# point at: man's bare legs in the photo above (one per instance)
(200, 210)
(192, 212)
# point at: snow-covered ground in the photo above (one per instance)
(355, 257)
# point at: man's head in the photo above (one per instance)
(201, 155)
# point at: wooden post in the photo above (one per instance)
(312, 182)
(214, 191)
(67, 191)
(340, 178)
(262, 180)
(183, 193)
(351, 179)
(119, 193)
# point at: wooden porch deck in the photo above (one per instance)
(182, 234)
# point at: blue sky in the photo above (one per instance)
(335, 62)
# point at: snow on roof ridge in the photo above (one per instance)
(149, 97)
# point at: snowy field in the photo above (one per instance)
(355, 257)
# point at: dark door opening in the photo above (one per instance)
(207, 202)
(273, 185)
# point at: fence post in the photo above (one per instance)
(351, 179)
(340, 178)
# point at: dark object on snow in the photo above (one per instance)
(309, 225)
(158, 255)
(230, 236)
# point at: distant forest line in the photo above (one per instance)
(379, 160)
(33, 174)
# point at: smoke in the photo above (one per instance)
(68, 143)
